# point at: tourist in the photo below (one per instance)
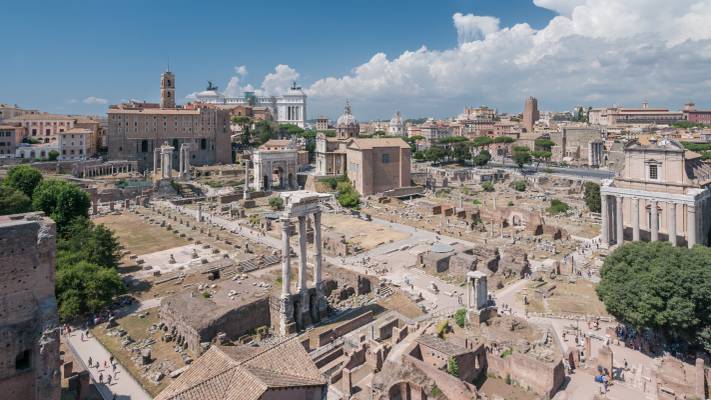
(108, 379)
(626, 365)
(90, 362)
(101, 377)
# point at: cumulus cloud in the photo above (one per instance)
(280, 80)
(593, 52)
(472, 27)
(95, 100)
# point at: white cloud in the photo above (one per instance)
(280, 80)
(472, 27)
(95, 100)
(600, 51)
(241, 70)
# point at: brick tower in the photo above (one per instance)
(167, 90)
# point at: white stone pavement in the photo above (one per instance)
(124, 386)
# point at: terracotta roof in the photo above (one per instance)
(359, 143)
(157, 111)
(245, 373)
(41, 117)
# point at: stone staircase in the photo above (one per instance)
(385, 291)
(187, 190)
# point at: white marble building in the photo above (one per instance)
(288, 108)
(662, 193)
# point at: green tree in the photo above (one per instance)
(62, 201)
(519, 186)
(482, 158)
(347, 195)
(540, 156)
(504, 139)
(482, 141)
(592, 196)
(53, 155)
(244, 123)
(658, 286)
(453, 366)
(276, 203)
(435, 154)
(84, 287)
(558, 207)
(521, 156)
(13, 201)
(83, 240)
(460, 317)
(544, 144)
(23, 178)
(461, 152)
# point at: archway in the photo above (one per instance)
(265, 183)
(292, 181)
(278, 178)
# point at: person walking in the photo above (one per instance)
(90, 364)
(108, 379)
(101, 377)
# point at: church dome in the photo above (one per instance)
(346, 119)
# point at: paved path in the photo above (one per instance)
(124, 387)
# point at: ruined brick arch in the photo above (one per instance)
(403, 390)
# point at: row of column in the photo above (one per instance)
(618, 217)
(286, 264)
(99, 170)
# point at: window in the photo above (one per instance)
(653, 173)
(144, 146)
(386, 158)
(203, 144)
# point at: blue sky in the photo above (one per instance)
(61, 54)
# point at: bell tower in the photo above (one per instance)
(167, 90)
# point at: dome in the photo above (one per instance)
(346, 119)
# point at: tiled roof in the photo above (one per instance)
(41, 117)
(244, 373)
(359, 143)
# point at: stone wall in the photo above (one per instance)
(543, 378)
(29, 332)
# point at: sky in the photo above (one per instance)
(421, 57)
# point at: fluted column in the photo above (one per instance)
(655, 221)
(671, 224)
(317, 250)
(635, 219)
(303, 289)
(605, 233)
(285, 260)
(181, 160)
(691, 234)
(619, 221)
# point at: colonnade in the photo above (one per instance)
(613, 227)
(109, 169)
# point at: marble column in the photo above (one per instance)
(303, 289)
(671, 224)
(605, 231)
(285, 260)
(619, 221)
(655, 221)
(691, 223)
(317, 256)
(246, 180)
(635, 219)
(181, 160)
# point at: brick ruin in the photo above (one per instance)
(29, 332)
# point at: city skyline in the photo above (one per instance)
(435, 61)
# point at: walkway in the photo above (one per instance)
(124, 386)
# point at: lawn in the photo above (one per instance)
(139, 237)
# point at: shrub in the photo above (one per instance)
(442, 328)
(592, 196)
(460, 317)
(520, 186)
(558, 207)
(53, 155)
(276, 203)
(488, 186)
(452, 367)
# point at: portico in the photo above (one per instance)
(661, 194)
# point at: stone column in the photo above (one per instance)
(318, 283)
(246, 180)
(671, 221)
(620, 221)
(303, 289)
(655, 221)
(285, 260)
(691, 221)
(635, 219)
(181, 161)
(605, 231)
